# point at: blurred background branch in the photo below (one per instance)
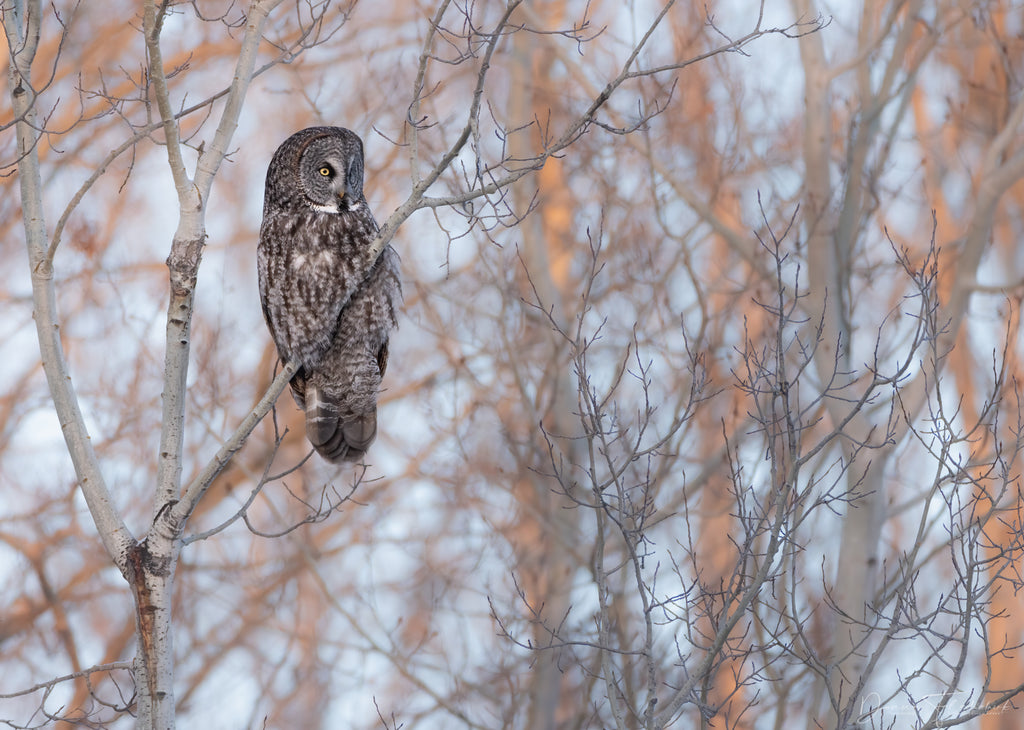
(703, 410)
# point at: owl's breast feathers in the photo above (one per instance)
(310, 264)
(323, 260)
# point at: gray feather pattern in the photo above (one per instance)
(329, 304)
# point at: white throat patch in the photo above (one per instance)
(335, 208)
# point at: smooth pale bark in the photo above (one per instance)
(149, 564)
(152, 562)
(22, 27)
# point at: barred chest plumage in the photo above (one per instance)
(328, 301)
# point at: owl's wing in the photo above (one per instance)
(341, 390)
(338, 390)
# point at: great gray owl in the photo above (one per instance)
(328, 302)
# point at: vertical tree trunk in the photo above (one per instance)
(152, 583)
(828, 273)
(547, 574)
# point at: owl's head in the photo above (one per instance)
(328, 162)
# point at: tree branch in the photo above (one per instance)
(112, 530)
(181, 511)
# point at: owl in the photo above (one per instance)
(329, 302)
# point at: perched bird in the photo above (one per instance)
(329, 302)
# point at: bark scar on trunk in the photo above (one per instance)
(183, 262)
(140, 564)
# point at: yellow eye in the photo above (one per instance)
(325, 171)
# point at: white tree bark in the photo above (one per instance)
(149, 564)
(22, 26)
(152, 562)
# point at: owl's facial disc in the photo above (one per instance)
(332, 193)
(331, 174)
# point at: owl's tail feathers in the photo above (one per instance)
(335, 435)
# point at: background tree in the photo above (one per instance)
(703, 410)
